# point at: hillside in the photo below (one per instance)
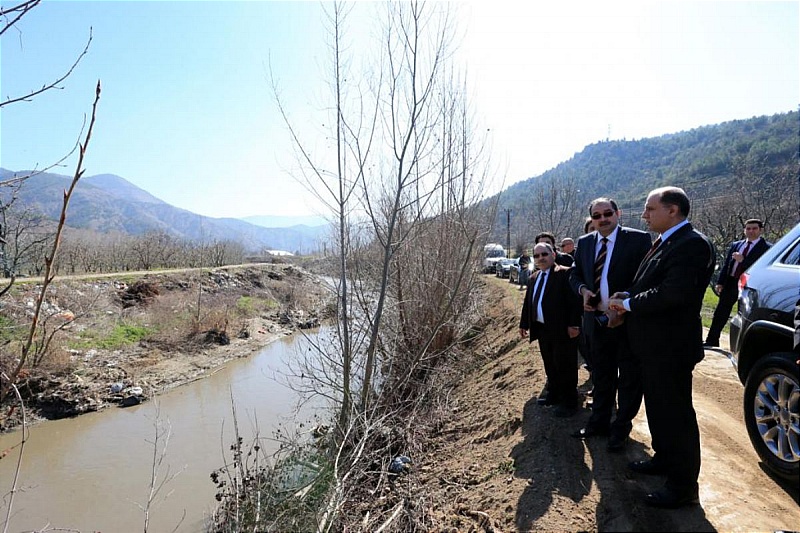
(107, 203)
(704, 161)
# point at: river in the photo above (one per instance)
(92, 472)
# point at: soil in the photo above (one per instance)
(71, 382)
(500, 462)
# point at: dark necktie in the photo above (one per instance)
(647, 257)
(599, 263)
(739, 268)
(538, 294)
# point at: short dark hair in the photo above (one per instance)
(603, 200)
(755, 221)
(675, 196)
(547, 235)
(587, 224)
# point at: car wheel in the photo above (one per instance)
(772, 413)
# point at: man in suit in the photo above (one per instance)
(741, 254)
(662, 312)
(551, 315)
(605, 263)
(561, 258)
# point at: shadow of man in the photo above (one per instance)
(564, 472)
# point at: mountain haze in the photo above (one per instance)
(109, 203)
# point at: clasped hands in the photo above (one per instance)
(615, 309)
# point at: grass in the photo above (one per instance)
(122, 335)
(250, 306)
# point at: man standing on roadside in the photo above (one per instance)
(741, 254)
(605, 263)
(568, 246)
(551, 315)
(662, 312)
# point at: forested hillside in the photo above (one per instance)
(743, 168)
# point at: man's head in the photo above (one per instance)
(605, 215)
(567, 245)
(546, 236)
(753, 229)
(665, 207)
(588, 225)
(544, 256)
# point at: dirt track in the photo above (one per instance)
(503, 463)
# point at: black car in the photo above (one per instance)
(765, 353)
(503, 267)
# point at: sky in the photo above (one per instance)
(187, 111)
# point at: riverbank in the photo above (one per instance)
(121, 340)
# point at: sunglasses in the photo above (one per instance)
(543, 254)
(598, 216)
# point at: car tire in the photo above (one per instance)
(772, 413)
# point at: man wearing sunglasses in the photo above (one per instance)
(605, 262)
(551, 314)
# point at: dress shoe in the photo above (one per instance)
(587, 432)
(709, 344)
(616, 443)
(647, 467)
(564, 411)
(590, 393)
(669, 499)
(545, 400)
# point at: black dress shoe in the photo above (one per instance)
(669, 499)
(709, 344)
(587, 432)
(647, 467)
(545, 400)
(616, 443)
(564, 411)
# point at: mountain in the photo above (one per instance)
(107, 203)
(271, 221)
(703, 161)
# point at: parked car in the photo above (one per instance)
(764, 352)
(492, 253)
(504, 267)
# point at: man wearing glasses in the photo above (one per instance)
(605, 262)
(551, 314)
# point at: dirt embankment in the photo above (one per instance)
(500, 462)
(191, 323)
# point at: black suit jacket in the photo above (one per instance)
(560, 307)
(667, 295)
(755, 252)
(629, 249)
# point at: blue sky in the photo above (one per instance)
(188, 115)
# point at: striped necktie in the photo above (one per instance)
(599, 263)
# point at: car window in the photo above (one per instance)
(792, 257)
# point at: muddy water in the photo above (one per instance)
(92, 473)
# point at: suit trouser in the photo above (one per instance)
(672, 420)
(617, 379)
(727, 299)
(560, 357)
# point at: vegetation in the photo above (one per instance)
(732, 171)
(122, 335)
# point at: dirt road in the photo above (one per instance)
(502, 463)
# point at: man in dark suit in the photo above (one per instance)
(741, 254)
(551, 315)
(662, 312)
(605, 263)
(561, 258)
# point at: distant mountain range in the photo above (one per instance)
(107, 203)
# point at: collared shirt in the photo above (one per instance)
(741, 250)
(541, 278)
(604, 292)
(626, 303)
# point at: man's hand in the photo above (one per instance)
(615, 304)
(587, 295)
(718, 287)
(523, 333)
(573, 331)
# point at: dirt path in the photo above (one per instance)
(503, 463)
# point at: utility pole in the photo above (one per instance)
(508, 231)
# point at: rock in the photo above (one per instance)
(117, 387)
